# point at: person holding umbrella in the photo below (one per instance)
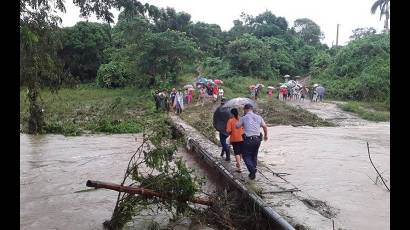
(220, 119)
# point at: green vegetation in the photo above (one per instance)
(359, 70)
(368, 111)
(74, 111)
(155, 167)
(151, 47)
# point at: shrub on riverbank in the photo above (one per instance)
(88, 109)
(368, 111)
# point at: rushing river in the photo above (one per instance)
(328, 163)
(54, 168)
(331, 164)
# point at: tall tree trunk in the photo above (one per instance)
(36, 119)
(386, 21)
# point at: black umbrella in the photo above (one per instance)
(223, 113)
(239, 103)
(220, 118)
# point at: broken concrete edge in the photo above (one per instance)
(278, 221)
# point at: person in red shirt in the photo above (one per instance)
(236, 138)
(215, 91)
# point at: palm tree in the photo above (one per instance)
(384, 7)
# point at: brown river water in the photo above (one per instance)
(331, 164)
(54, 168)
(327, 163)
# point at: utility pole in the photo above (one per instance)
(337, 35)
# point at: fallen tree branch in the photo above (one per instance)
(142, 191)
(377, 171)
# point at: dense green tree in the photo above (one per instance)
(362, 32)
(39, 46)
(83, 49)
(309, 31)
(208, 36)
(360, 70)
(163, 56)
(250, 55)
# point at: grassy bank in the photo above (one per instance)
(371, 111)
(88, 109)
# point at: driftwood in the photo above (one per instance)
(377, 171)
(142, 191)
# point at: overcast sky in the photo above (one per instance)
(350, 14)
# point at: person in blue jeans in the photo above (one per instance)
(220, 119)
(252, 123)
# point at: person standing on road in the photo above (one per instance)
(236, 138)
(252, 123)
(320, 92)
(172, 98)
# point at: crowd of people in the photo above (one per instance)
(174, 100)
(299, 92)
(243, 132)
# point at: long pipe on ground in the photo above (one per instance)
(141, 191)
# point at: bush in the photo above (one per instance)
(112, 75)
(359, 70)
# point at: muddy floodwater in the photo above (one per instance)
(54, 170)
(331, 164)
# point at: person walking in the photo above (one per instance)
(215, 91)
(220, 119)
(202, 95)
(179, 102)
(236, 138)
(252, 123)
(220, 93)
(270, 94)
(172, 98)
(320, 92)
(285, 93)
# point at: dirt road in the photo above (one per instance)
(330, 112)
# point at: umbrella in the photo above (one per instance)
(188, 86)
(239, 102)
(220, 118)
(210, 81)
(271, 87)
(217, 81)
(202, 80)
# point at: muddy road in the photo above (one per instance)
(330, 112)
